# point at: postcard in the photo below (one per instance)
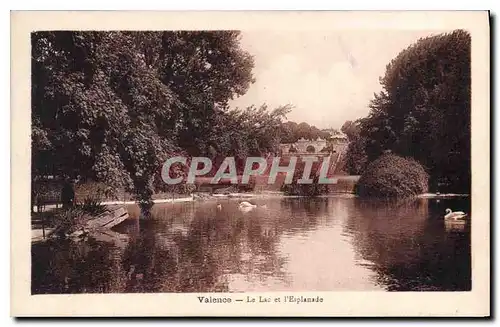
(292, 164)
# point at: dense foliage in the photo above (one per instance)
(112, 106)
(423, 110)
(355, 159)
(254, 131)
(391, 176)
(310, 190)
(291, 132)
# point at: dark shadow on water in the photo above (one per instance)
(410, 246)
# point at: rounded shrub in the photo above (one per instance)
(391, 176)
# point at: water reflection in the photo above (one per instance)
(409, 246)
(293, 244)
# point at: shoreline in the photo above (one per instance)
(37, 232)
(440, 196)
(270, 195)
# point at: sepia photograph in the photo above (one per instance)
(232, 164)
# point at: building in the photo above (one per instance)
(303, 146)
(336, 143)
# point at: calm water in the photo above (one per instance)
(322, 244)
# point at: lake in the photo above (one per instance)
(291, 244)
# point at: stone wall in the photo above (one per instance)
(314, 146)
(305, 146)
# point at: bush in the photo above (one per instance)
(355, 158)
(69, 220)
(92, 194)
(391, 176)
(310, 190)
(304, 189)
(92, 206)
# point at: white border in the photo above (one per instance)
(482, 185)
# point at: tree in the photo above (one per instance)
(288, 132)
(112, 106)
(355, 157)
(350, 129)
(291, 132)
(423, 110)
(205, 70)
(253, 131)
(356, 160)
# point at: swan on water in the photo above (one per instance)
(246, 204)
(219, 206)
(454, 215)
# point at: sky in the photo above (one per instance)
(329, 77)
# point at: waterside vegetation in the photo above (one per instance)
(423, 112)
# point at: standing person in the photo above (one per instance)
(68, 194)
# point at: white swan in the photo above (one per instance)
(457, 215)
(246, 204)
(219, 206)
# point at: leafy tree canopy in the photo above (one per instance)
(291, 132)
(112, 106)
(423, 110)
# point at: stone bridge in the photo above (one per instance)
(304, 146)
